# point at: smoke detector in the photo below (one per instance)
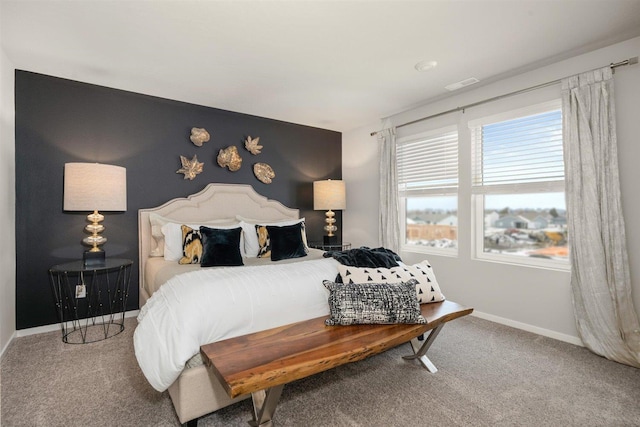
(461, 84)
(426, 65)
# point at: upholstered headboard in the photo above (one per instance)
(215, 201)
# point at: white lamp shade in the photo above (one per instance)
(94, 187)
(329, 195)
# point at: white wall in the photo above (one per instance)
(360, 172)
(7, 204)
(534, 299)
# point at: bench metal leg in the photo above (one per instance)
(421, 351)
(264, 406)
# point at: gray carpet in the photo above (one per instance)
(489, 375)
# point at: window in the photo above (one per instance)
(518, 187)
(428, 191)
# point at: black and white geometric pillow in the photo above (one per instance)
(373, 303)
(427, 288)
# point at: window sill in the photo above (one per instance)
(416, 249)
(540, 263)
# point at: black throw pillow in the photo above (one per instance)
(286, 242)
(220, 247)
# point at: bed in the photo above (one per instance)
(281, 282)
(195, 391)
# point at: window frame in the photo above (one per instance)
(478, 192)
(445, 192)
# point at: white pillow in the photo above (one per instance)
(172, 232)
(251, 245)
(427, 287)
(157, 238)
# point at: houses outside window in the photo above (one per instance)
(428, 191)
(519, 213)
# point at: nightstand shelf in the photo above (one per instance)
(334, 247)
(91, 300)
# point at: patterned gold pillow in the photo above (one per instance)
(264, 242)
(191, 246)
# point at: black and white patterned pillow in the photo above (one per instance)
(427, 287)
(373, 303)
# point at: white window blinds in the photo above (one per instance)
(428, 165)
(520, 153)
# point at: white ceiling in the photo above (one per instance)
(331, 64)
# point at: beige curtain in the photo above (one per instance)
(389, 225)
(600, 280)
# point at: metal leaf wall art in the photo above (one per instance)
(264, 172)
(251, 144)
(190, 168)
(199, 136)
(230, 158)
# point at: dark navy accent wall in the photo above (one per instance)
(60, 121)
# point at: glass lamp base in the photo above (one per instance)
(330, 240)
(93, 258)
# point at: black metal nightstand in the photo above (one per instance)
(337, 247)
(91, 300)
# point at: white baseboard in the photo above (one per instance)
(502, 320)
(6, 346)
(56, 326)
(529, 328)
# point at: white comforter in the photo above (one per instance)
(205, 306)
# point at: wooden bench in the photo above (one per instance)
(263, 362)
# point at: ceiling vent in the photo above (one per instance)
(461, 84)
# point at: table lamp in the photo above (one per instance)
(94, 187)
(328, 195)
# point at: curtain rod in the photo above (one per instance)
(613, 66)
